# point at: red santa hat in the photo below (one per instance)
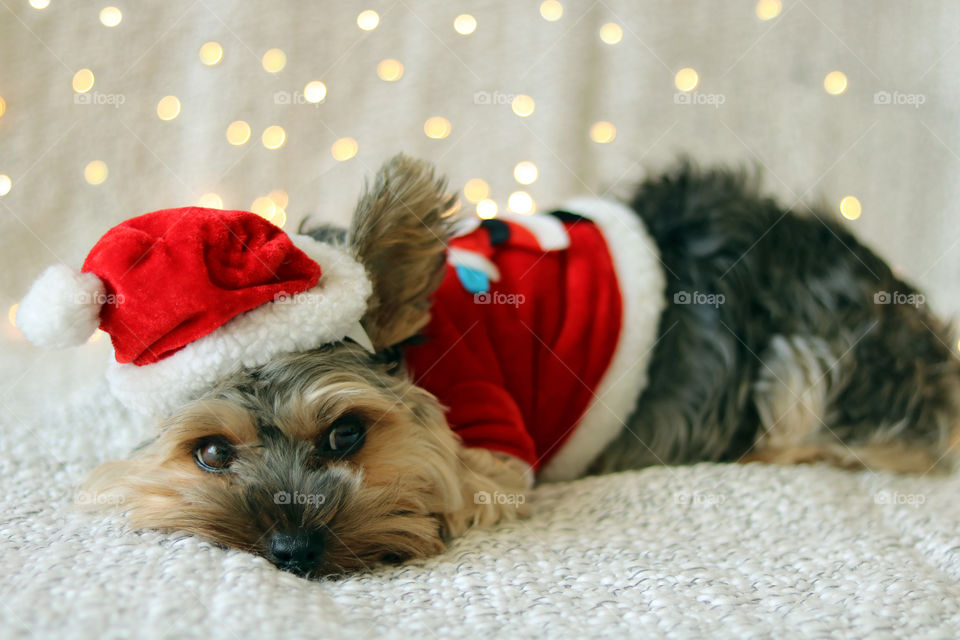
(189, 295)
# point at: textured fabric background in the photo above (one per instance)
(757, 552)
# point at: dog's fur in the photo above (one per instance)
(797, 364)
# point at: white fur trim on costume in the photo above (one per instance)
(62, 308)
(472, 260)
(550, 233)
(290, 323)
(642, 289)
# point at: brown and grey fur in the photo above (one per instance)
(798, 364)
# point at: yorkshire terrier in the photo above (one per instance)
(700, 322)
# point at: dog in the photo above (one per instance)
(700, 321)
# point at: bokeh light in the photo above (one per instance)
(850, 208)
(768, 9)
(83, 81)
(274, 60)
(39, 4)
(437, 127)
(96, 172)
(465, 24)
(238, 133)
(523, 105)
(487, 209)
(210, 201)
(551, 10)
(211, 53)
(3, 106)
(5, 184)
(525, 172)
(390, 70)
(315, 91)
(476, 190)
(368, 20)
(603, 132)
(168, 108)
(835, 83)
(110, 16)
(686, 79)
(344, 149)
(273, 137)
(611, 33)
(520, 202)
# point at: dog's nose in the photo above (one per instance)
(296, 551)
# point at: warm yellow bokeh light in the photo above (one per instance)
(3, 106)
(279, 217)
(769, 9)
(264, 207)
(5, 184)
(525, 172)
(39, 4)
(465, 24)
(835, 83)
(611, 33)
(238, 133)
(274, 60)
(97, 335)
(168, 108)
(83, 81)
(315, 91)
(211, 53)
(603, 132)
(437, 127)
(344, 149)
(12, 315)
(520, 202)
(551, 10)
(368, 20)
(110, 16)
(210, 201)
(390, 70)
(850, 208)
(523, 105)
(280, 198)
(273, 137)
(476, 190)
(686, 79)
(487, 209)
(95, 172)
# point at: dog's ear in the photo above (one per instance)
(399, 233)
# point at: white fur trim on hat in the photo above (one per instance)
(324, 314)
(62, 308)
(636, 260)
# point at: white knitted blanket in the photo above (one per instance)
(692, 552)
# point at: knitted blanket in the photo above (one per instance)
(690, 552)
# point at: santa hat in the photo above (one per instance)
(189, 295)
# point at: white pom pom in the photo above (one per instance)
(62, 308)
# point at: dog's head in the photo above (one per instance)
(329, 460)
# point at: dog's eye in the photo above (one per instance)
(344, 437)
(214, 454)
